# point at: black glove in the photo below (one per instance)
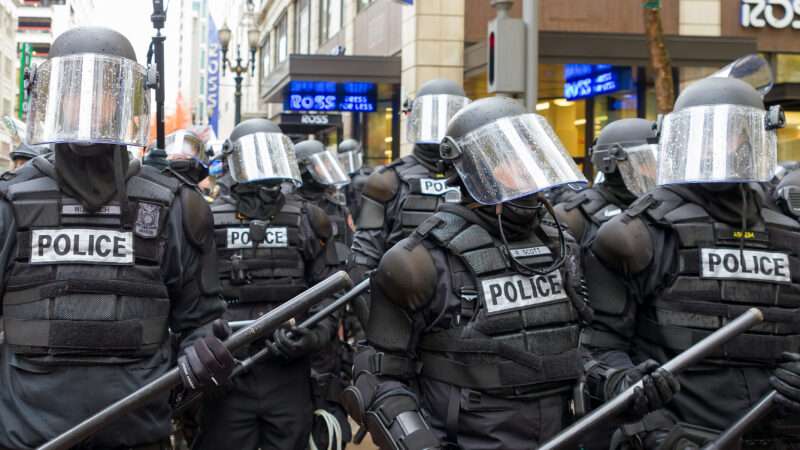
(206, 362)
(786, 380)
(658, 387)
(293, 343)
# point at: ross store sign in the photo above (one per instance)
(587, 80)
(777, 14)
(331, 96)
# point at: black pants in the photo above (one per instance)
(269, 408)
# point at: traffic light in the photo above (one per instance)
(506, 52)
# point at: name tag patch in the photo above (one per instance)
(529, 252)
(728, 263)
(611, 212)
(430, 186)
(81, 246)
(79, 210)
(504, 294)
(275, 237)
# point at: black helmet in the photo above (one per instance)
(439, 87)
(482, 112)
(304, 149)
(252, 126)
(616, 137)
(25, 151)
(349, 145)
(719, 91)
(98, 40)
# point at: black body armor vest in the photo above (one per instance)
(597, 208)
(513, 330)
(718, 275)
(427, 191)
(267, 274)
(88, 285)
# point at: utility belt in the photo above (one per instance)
(327, 387)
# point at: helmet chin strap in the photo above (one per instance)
(519, 265)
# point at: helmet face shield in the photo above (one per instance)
(638, 168)
(352, 161)
(264, 157)
(89, 98)
(326, 170)
(513, 157)
(716, 143)
(427, 121)
(183, 144)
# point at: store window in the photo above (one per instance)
(282, 39)
(330, 19)
(568, 119)
(302, 27)
(787, 68)
(789, 138)
(378, 142)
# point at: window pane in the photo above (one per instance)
(788, 69)
(789, 138)
(283, 44)
(302, 27)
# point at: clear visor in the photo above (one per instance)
(427, 121)
(264, 157)
(638, 170)
(514, 157)
(351, 162)
(325, 169)
(89, 98)
(183, 145)
(716, 143)
(752, 69)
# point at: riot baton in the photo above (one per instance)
(692, 355)
(265, 325)
(319, 315)
(245, 364)
(735, 431)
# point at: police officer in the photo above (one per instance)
(400, 196)
(323, 181)
(272, 246)
(102, 260)
(475, 317)
(186, 157)
(24, 153)
(690, 255)
(625, 154)
(351, 157)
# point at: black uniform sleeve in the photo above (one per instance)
(381, 397)
(194, 291)
(8, 242)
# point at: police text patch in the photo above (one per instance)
(729, 263)
(518, 292)
(275, 237)
(430, 186)
(81, 246)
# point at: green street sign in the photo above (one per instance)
(652, 4)
(25, 54)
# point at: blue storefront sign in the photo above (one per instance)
(589, 80)
(330, 96)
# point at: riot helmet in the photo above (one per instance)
(503, 156)
(719, 132)
(502, 153)
(351, 156)
(320, 164)
(24, 153)
(627, 148)
(437, 101)
(90, 90)
(258, 152)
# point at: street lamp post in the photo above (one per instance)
(238, 69)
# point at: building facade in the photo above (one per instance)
(381, 51)
(8, 79)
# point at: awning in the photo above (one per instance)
(374, 69)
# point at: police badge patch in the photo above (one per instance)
(147, 220)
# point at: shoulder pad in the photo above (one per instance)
(197, 219)
(624, 244)
(320, 222)
(24, 173)
(152, 174)
(573, 219)
(406, 276)
(382, 185)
